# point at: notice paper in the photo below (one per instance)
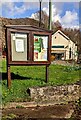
(19, 45)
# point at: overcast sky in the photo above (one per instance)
(67, 13)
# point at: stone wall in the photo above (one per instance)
(54, 94)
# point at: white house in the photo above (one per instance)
(62, 47)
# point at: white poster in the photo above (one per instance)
(19, 45)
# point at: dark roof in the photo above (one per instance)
(28, 27)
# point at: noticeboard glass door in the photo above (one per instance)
(40, 48)
(19, 46)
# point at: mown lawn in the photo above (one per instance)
(24, 77)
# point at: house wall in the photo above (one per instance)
(61, 40)
(73, 49)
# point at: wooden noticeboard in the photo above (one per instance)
(27, 45)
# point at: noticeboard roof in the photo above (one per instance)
(29, 27)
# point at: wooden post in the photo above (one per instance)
(47, 73)
(8, 77)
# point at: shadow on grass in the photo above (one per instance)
(19, 77)
(14, 76)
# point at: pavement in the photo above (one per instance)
(53, 112)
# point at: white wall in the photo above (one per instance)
(60, 40)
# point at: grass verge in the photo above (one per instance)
(24, 77)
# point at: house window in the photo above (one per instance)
(70, 53)
(58, 46)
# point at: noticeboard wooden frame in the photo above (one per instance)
(30, 51)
